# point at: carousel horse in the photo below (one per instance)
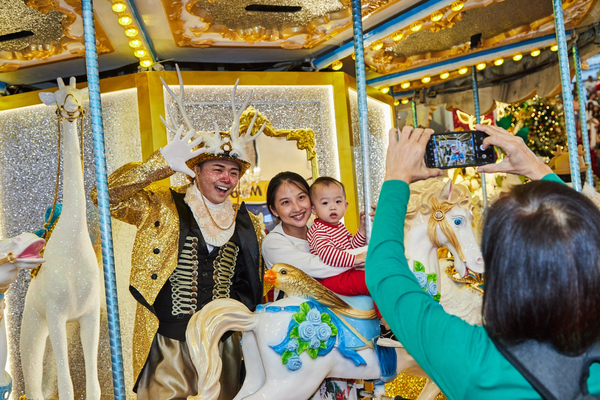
(20, 252)
(291, 345)
(66, 288)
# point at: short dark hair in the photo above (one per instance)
(280, 178)
(326, 181)
(541, 247)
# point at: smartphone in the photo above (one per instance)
(457, 150)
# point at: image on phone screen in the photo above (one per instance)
(458, 149)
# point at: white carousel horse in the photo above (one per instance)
(20, 252)
(279, 364)
(66, 288)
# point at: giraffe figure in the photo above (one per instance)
(66, 288)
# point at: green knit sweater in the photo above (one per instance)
(459, 357)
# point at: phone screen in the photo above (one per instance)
(458, 149)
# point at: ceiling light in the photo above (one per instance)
(337, 65)
(416, 26)
(354, 56)
(481, 66)
(125, 19)
(457, 6)
(498, 62)
(405, 85)
(139, 53)
(135, 42)
(535, 53)
(131, 31)
(146, 63)
(463, 70)
(436, 16)
(385, 89)
(397, 36)
(426, 79)
(517, 57)
(554, 47)
(444, 75)
(396, 102)
(119, 6)
(404, 101)
(378, 45)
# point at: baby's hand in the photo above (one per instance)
(360, 259)
(361, 227)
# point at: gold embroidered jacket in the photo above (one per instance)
(136, 198)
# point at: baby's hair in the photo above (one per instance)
(326, 181)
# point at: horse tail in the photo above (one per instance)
(203, 334)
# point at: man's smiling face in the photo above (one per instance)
(216, 179)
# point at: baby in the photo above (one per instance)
(329, 238)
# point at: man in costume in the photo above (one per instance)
(192, 246)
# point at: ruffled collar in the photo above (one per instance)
(223, 214)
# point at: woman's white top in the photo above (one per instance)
(279, 247)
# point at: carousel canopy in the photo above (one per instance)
(411, 45)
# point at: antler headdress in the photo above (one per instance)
(216, 144)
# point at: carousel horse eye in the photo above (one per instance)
(458, 222)
(283, 272)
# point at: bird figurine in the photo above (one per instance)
(295, 283)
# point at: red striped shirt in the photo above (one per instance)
(329, 242)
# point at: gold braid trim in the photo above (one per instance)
(473, 281)
(224, 269)
(438, 218)
(259, 229)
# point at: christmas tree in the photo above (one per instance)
(540, 122)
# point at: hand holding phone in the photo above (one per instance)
(458, 150)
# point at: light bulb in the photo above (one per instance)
(444, 75)
(119, 6)
(498, 62)
(385, 90)
(436, 16)
(481, 66)
(135, 43)
(517, 57)
(416, 26)
(426, 79)
(397, 36)
(404, 101)
(139, 53)
(457, 6)
(535, 53)
(146, 63)
(378, 45)
(125, 19)
(131, 31)
(554, 48)
(463, 70)
(396, 102)
(337, 65)
(405, 85)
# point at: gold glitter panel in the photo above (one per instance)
(380, 122)
(28, 157)
(287, 107)
(409, 387)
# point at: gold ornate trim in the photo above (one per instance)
(384, 61)
(305, 138)
(193, 26)
(69, 46)
(472, 281)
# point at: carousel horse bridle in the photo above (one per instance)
(9, 258)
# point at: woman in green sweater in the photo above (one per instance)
(541, 247)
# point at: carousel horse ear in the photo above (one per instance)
(48, 98)
(60, 82)
(447, 190)
(72, 82)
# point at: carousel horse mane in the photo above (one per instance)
(422, 192)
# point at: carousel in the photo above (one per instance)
(112, 113)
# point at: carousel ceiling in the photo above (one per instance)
(42, 39)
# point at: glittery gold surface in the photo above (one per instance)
(28, 157)
(408, 387)
(47, 29)
(287, 107)
(380, 122)
(232, 13)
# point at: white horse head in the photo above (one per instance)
(439, 215)
(22, 251)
